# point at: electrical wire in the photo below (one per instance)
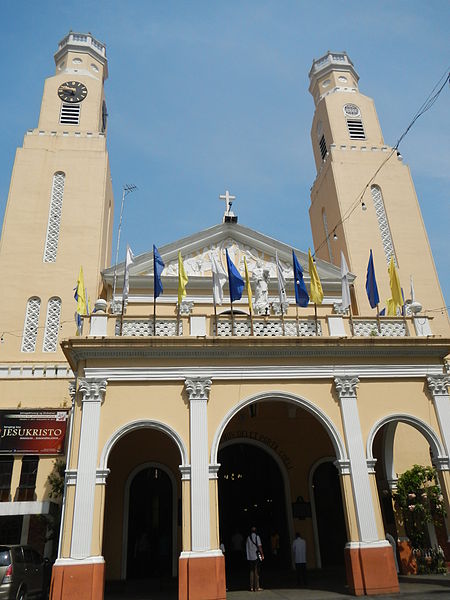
(426, 105)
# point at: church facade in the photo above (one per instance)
(183, 426)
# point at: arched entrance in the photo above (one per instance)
(328, 514)
(267, 446)
(149, 520)
(142, 529)
(252, 490)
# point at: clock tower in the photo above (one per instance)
(363, 196)
(59, 214)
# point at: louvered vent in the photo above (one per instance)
(70, 114)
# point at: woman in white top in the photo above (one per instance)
(255, 555)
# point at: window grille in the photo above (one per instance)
(383, 224)
(30, 328)
(356, 129)
(70, 114)
(52, 325)
(54, 218)
(327, 235)
(323, 147)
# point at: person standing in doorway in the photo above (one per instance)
(255, 556)
(299, 551)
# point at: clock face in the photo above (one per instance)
(104, 116)
(72, 91)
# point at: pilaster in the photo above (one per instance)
(365, 514)
(198, 389)
(93, 391)
(438, 386)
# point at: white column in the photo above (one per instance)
(365, 514)
(93, 391)
(438, 386)
(198, 392)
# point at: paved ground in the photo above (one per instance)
(421, 587)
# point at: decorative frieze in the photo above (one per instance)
(186, 307)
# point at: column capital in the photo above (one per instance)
(72, 389)
(343, 466)
(198, 388)
(346, 386)
(438, 384)
(93, 390)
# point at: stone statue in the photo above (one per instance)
(261, 302)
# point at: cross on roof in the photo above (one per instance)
(229, 201)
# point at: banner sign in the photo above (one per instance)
(32, 431)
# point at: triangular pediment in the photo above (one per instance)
(258, 249)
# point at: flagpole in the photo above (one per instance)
(178, 318)
(378, 318)
(315, 318)
(154, 314)
(350, 318)
(232, 317)
(251, 324)
(127, 189)
(122, 313)
(215, 315)
(296, 319)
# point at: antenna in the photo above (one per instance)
(127, 189)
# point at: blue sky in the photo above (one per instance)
(204, 96)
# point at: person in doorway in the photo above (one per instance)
(275, 544)
(255, 556)
(299, 551)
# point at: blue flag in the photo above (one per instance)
(235, 281)
(371, 284)
(158, 267)
(301, 294)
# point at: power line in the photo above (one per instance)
(426, 105)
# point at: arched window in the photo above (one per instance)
(327, 235)
(383, 224)
(30, 327)
(52, 325)
(54, 217)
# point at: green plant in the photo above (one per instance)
(419, 500)
(56, 479)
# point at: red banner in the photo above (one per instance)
(32, 431)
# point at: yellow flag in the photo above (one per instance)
(394, 282)
(315, 287)
(248, 287)
(391, 308)
(182, 279)
(80, 294)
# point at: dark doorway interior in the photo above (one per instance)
(251, 492)
(330, 515)
(150, 525)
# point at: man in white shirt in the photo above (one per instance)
(299, 551)
(255, 555)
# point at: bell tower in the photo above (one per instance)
(363, 196)
(59, 213)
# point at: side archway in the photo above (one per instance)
(142, 424)
(425, 429)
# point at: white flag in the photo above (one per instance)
(281, 284)
(346, 299)
(129, 260)
(219, 278)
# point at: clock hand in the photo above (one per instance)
(69, 89)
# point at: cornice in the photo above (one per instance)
(117, 349)
(273, 372)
